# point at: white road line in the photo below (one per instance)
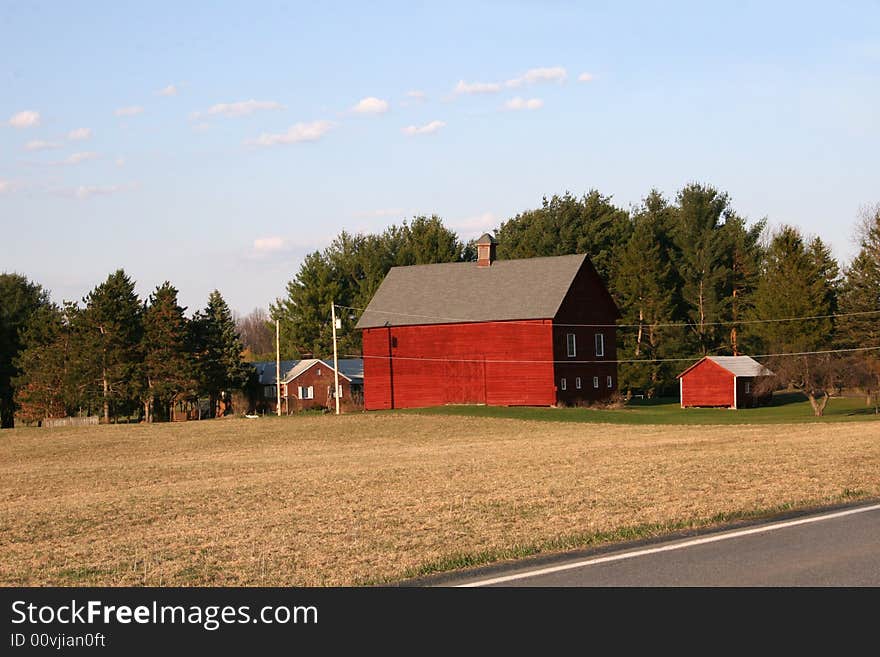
(668, 548)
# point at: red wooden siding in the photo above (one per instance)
(707, 384)
(453, 363)
(587, 302)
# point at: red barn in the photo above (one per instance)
(726, 381)
(531, 332)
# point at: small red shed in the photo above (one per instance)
(723, 381)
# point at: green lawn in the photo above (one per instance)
(785, 409)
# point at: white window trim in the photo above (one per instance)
(571, 345)
(748, 387)
(600, 345)
(595, 381)
(610, 381)
(577, 382)
(563, 384)
(306, 392)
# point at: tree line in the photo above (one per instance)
(690, 275)
(114, 355)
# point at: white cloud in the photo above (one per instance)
(39, 145)
(129, 111)
(87, 191)
(268, 244)
(170, 90)
(120, 161)
(296, 133)
(477, 87)
(523, 104)
(549, 74)
(6, 186)
(415, 94)
(79, 134)
(371, 105)
(586, 77)
(76, 158)
(25, 119)
(426, 129)
(237, 109)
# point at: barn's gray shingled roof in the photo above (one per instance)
(531, 288)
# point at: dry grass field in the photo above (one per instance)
(372, 498)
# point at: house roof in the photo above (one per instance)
(350, 368)
(448, 293)
(736, 365)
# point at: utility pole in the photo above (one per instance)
(335, 357)
(277, 369)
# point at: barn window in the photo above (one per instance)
(595, 381)
(571, 345)
(269, 392)
(563, 384)
(600, 344)
(748, 387)
(306, 392)
(577, 382)
(610, 382)
(319, 372)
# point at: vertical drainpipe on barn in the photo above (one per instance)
(734, 392)
(390, 367)
(681, 391)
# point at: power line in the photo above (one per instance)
(606, 361)
(642, 325)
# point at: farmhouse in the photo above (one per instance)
(726, 381)
(530, 332)
(306, 384)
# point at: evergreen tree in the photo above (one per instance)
(792, 284)
(564, 225)
(167, 365)
(795, 282)
(112, 325)
(218, 351)
(42, 364)
(19, 300)
(859, 327)
(746, 255)
(704, 262)
(644, 287)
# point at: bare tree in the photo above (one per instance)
(817, 376)
(257, 335)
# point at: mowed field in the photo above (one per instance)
(371, 498)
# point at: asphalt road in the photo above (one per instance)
(838, 548)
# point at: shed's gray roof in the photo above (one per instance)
(531, 288)
(741, 365)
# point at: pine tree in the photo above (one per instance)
(167, 366)
(218, 351)
(644, 288)
(19, 300)
(113, 321)
(859, 326)
(797, 283)
(704, 262)
(42, 365)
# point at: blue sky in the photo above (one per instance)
(214, 144)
